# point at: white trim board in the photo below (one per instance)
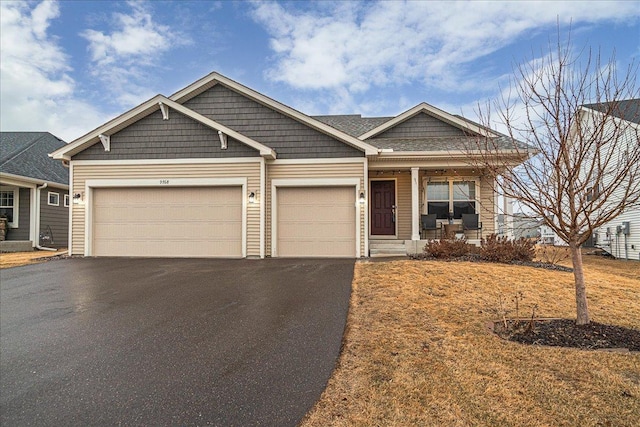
(92, 184)
(312, 182)
(322, 161)
(222, 160)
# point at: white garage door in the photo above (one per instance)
(167, 222)
(316, 222)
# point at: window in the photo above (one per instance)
(458, 197)
(66, 200)
(54, 199)
(9, 205)
(593, 192)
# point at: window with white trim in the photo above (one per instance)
(66, 200)
(9, 205)
(53, 199)
(456, 196)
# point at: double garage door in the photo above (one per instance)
(168, 222)
(207, 222)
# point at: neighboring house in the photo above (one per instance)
(220, 170)
(34, 194)
(525, 225)
(548, 236)
(620, 237)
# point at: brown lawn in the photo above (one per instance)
(416, 350)
(16, 259)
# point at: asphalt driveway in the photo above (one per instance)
(169, 341)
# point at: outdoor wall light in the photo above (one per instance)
(76, 198)
(361, 199)
(252, 197)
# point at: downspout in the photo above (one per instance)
(37, 236)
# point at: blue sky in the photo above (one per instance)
(69, 66)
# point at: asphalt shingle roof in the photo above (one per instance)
(352, 124)
(628, 109)
(444, 143)
(26, 154)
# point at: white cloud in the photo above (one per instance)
(348, 47)
(36, 89)
(123, 56)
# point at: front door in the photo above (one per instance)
(383, 208)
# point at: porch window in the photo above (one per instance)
(458, 197)
(9, 205)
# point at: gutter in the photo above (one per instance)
(37, 207)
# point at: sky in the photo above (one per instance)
(67, 67)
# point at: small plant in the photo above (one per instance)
(517, 299)
(501, 249)
(550, 254)
(447, 248)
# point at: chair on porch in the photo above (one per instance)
(471, 222)
(428, 223)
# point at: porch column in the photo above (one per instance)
(415, 204)
(508, 217)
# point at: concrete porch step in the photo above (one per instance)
(16, 246)
(387, 248)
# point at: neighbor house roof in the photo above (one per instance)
(628, 109)
(25, 154)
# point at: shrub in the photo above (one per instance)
(447, 248)
(552, 254)
(501, 249)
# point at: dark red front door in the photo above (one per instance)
(383, 196)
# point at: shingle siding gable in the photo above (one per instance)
(154, 138)
(288, 137)
(421, 125)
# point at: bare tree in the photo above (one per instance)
(582, 169)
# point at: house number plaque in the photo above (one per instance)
(164, 181)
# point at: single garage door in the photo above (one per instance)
(316, 222)
(167, 222)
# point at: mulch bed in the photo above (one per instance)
(565, 333)
(476, 258)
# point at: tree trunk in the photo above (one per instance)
(581, 292)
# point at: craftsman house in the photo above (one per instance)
(34, 197)
(220, 170)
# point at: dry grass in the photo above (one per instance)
(16, 259)
(417, 352)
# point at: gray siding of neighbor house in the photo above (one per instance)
(419, 126)
(288, 137)
(180, 137)
(24, 219)
(54, 220)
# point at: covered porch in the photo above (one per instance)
(401, 195)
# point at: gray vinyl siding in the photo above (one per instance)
(288, 137)
(419, 126)
(54, 220)
(24, 219)
(180, 137)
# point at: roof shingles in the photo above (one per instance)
(27, 154)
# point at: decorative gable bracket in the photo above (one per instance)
(106, 141)
(223, 140)
(165, 111)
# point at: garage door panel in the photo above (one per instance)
(316, 221)
(174, 222)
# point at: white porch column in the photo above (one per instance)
(508, 216)
(415, 204)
